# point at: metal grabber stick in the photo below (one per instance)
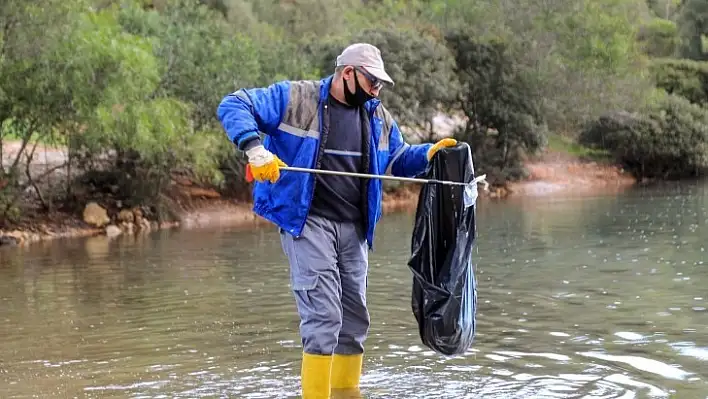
(470, 191)
(478, 179)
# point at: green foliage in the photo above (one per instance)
(36, 92)
(106, 66)
(130, 87)
(667, 140)
(660, 38)
(693, 22)
(199, 55)
(582, 57)
(305, 20)
(504, 120)
(665, 9)
(150, 139)
(602, 36)
(126, 87)
(589, 60)
(33, 89)
(685, 78)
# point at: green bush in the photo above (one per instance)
(667, 140)
(659, 38)
(685, 78)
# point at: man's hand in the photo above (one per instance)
(448, 142)
(263, 164)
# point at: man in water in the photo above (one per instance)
(326, 222)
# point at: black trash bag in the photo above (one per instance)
(444, 295)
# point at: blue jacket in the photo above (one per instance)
(292, 114)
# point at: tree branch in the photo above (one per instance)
(31, 181)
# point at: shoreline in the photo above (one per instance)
(550, 176)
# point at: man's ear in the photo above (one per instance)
(348, 72)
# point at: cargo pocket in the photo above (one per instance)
(303, 282)
(302, 277)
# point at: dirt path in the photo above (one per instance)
(571, 178)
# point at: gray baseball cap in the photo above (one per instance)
(367, 56)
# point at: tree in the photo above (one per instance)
(686, 78)
(503, 110)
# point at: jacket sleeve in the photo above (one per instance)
(247, 112)
(406, 160)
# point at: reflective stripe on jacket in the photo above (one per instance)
(291, 115)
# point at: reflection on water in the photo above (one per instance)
(600, 297)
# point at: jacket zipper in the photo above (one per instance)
(374, 143)
(318, 160)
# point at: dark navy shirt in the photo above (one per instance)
(340, 197)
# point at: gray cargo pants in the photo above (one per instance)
(328, 274)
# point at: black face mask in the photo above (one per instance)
(359, 97)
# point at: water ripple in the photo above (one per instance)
(602, 297)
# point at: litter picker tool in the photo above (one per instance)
(479, 179)
(470, 188)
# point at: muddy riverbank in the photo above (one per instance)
(553, 174)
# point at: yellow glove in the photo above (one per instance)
(440, 144)
(263, 165)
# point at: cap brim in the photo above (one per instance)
(380, 74)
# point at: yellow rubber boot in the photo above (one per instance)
(346, 372)
(315, 374)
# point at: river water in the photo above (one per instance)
(595, 296)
